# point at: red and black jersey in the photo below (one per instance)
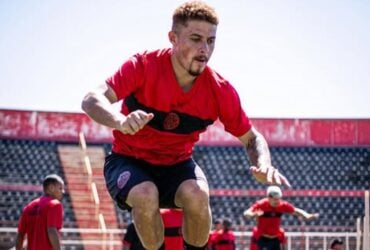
(147, 81)
(223, 240)
(269, 222)
(36, 217)
(172, 221)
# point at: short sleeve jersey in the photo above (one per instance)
(211, 238)
(147, 82)
(172, 221)
(36, 217)
(223, 240)
(269, 222)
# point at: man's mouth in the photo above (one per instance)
(201, 59)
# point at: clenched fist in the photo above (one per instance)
(134, 122)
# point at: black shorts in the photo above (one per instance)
(269, 243)
(122, 173)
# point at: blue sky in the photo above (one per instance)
(287, 59)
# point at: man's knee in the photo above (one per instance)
(193, 195)
(143, 195)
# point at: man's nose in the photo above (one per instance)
(204, 47)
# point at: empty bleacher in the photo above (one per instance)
(307, 168)
(24, 163)
(325, 168)
(27, 161)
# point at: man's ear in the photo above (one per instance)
(172, 36)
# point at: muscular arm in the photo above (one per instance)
(257, 148)
(302, 213)
(98, 105)
(249, 213)
(259, 157)
(54, 238)
(19, 241)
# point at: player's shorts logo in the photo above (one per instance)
(123, 179)
(171, 121)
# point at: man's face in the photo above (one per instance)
(274, 201)
(218, 226)
(193, 45)
(57, 190)
(338, 247)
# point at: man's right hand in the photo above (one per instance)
(313, 216)
(134, 122)
(258, 213)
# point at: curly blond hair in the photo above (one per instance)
(193, 10)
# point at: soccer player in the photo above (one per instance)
(336, 244)
(42, 218)
(172, 220)
(268, 212)
(224, 239)
(169, 96)
(217, 226)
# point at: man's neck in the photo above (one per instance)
(184, 79)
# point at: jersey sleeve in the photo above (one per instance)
(55, 215)
(128, 78)
(232, 115)
(287, 207)
(257, 205)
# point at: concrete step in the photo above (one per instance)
(73, 162)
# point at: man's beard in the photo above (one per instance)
(195, 73)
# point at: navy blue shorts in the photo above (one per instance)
(122, 173)
(269, 243)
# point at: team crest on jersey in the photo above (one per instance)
(171, 121)
(123, 179)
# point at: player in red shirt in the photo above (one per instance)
(336, 244)
(268, 212)
(172, 220)
(169, 97)
(42, 218)
(224, 239)
(217, 226)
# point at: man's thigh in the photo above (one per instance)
(172, 178)
(121, 174)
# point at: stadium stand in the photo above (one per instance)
(328, 173)
(23, 164)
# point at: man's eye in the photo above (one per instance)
(211, 41)
(194, 39)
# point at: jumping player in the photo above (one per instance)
(169, 97)
(268, 212)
